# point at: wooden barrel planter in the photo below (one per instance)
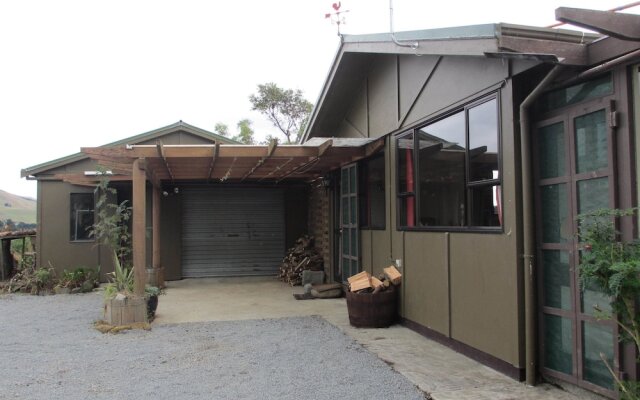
(368, 310)
(124, 311)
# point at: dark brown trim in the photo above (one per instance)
(464, 108)
(490, 361)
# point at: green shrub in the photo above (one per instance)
(120, 280)
(613, 267)
(29, 279)
(152, 291)
(79, 277)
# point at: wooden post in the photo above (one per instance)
(155, 260)
(5, 258)
(139, 226)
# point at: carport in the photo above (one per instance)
(246, 177)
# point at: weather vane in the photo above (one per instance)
(336, 17)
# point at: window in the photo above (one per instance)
(448, 170)
(575, 94)
(81, 214)
(372, 193)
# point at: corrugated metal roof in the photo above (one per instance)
(451, 33)
(483, 31)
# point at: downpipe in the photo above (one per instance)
(528, 227)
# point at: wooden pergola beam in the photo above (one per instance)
(278, 168)
(227, 175)
(162, 155)
(80, 182)
(297, 169)
(241, 162)
(200, 151)
(85, 180)
(617, 25)
(324, 147)
(214, 158)
(374, 147)
(152, 176)
(272, 147)
(116, 167)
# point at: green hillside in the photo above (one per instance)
(17, 208)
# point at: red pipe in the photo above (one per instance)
(411, 200)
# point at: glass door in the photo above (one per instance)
(349, 240)
(574, 174)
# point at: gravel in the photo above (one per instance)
(49, 349)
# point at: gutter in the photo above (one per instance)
(528, 227)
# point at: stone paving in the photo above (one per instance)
(437, 370)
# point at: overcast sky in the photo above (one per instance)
(85, 73)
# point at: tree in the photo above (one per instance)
(269, 139)
(245, 132)
(112, 223)
(221, 129)
(287, 109)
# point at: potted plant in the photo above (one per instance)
(122, 306)
(612, 266)
(111, 229)
(152, 293)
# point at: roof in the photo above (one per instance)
(542, 45)
(482, 31)
(179, 126)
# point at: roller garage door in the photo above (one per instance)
(232, 231)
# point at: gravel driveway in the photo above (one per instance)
(49, 350)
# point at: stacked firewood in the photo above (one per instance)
(364, 282)
(302, 256)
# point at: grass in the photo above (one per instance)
(26, 216)
(17, 208)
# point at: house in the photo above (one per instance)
(462, 155)
(225, 209)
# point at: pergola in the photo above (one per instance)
(223, 163)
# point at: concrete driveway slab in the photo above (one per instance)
(434, 368)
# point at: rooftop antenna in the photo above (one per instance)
(336, 17)
(404, 43)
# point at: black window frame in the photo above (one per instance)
(73, 221)
(400, 196)
(363, 192)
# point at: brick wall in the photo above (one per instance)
(319, 224)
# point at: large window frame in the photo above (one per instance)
(411, 198)
(81, 216)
